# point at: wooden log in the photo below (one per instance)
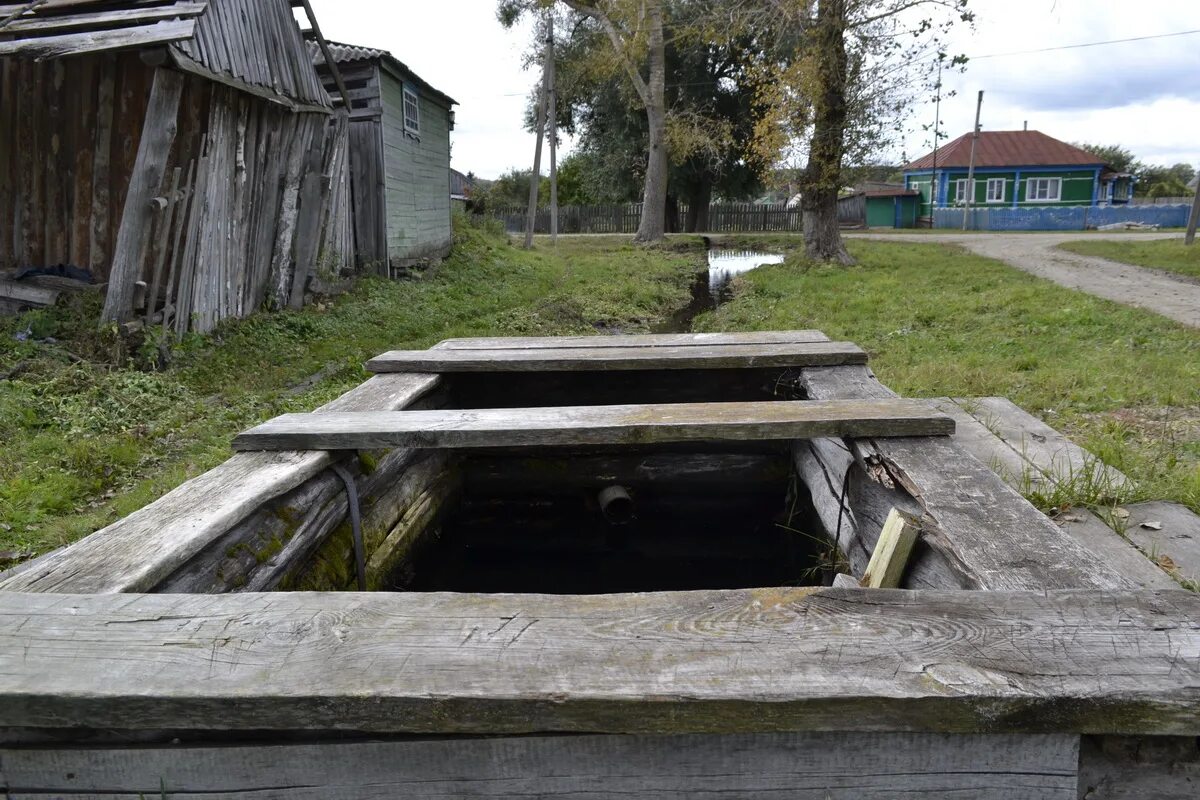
(158, 133)
(983, 531)
(890, 557)
(596, 425)
(778, 659)
(795, 766)
(140, 551)
(800, 354)
(28, 294)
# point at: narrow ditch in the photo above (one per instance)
(712, 284)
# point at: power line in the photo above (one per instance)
(1085, 44)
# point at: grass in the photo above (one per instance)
(938, 320)
(87, 443)
(1165, 254)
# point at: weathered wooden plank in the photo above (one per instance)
(592, 425)
(116, 16)
(1114, 549)
(990, 536)
(27, 293)
(774, 659)
(67, 44)
(1138, 767)
(635, 340)
(973, 436)
(137, 552)
(799, 354)
(820, 766)
(1168, 533)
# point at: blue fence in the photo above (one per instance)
(1061, 218)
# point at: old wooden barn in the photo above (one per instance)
(180, 150)
(598, 567)
(399, 156)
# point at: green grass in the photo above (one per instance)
(938, 320)
(86, 443)
(1165, 254)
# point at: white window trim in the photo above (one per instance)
(1003, 186)
(410, 125)
(1029, 190)
(960, 191)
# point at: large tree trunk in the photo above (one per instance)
(821, 180)
(697, 214)
(654, 195)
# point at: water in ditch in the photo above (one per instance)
(711, 286)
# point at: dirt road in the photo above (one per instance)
(1174, 296)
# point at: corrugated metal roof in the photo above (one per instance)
(347, 53)
(1008, 149)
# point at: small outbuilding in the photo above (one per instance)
(399, 157)
(891, 207)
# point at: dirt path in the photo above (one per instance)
(1172, 296)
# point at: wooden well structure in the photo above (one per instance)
(663, 640)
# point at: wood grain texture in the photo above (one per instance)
(990, 535)
(523, 359)
(820, 766)
(1176, 544)
(1114, 549)
(136, 553)
(754, 660)
(634, 340)
(68, 44)
(596, 425)
(1138, 767)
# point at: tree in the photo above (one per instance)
(1115, 156)
(634, 29)
(844, 88)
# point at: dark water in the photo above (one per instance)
(711, 286)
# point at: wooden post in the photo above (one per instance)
(553, 91)
(308, 224)
(535, 178)
(165, 218)
(970, 193)
(1189, 238)
(158, 134)
(888, 560)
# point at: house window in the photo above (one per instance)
(1120, 190)
(1049, 189)
(960, 191)
(995, 190)
(412, 111)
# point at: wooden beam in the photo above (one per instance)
(634, 340)
(28, 293)
(186, 63)
(829, 766)
(801, 354)
(68, 44)
(777, 659)
(158, 133)
(330, 61)
(41, 24)
(595, 425)
(890, 556)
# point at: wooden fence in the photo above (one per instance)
(1161, 201)
(624, 218)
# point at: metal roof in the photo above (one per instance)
(347, 53)
(1008, 149)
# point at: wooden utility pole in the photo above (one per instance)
(970, 193)
(536, 177)
(552, 85)
(1189, 238)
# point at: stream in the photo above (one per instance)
(711, 287)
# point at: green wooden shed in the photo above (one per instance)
(891, 208)
(399, 157)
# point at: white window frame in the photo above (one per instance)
(992, 183)
(960, 191)
(1033, 190)
(412, 121)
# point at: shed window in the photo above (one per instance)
(995, 190)
(1043, 189)
(412, 111)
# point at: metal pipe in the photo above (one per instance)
(616, 505)
(360, 556)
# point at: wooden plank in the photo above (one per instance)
(28, 294)
(773, 659)
(820, 766)
(890, 556)
(96, 41)
(137, 552)
(978, 527)
(1169, 534)
(1113, 549)
(1137, 767)
(158, 134)
(635, 340)
(41, 25)
(974, 437)
(802, 354)
(593, 425)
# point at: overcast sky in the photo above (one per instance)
(1143, 95)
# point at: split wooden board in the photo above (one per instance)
(575, 359)
(748, 660)
(596, 425)
(749, 338)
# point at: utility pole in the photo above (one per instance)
(937, 121)
(970, 193)
(551, 80)
(1189, 238)
(536, 178)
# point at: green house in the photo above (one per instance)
(399, 157)
(1016, 169)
